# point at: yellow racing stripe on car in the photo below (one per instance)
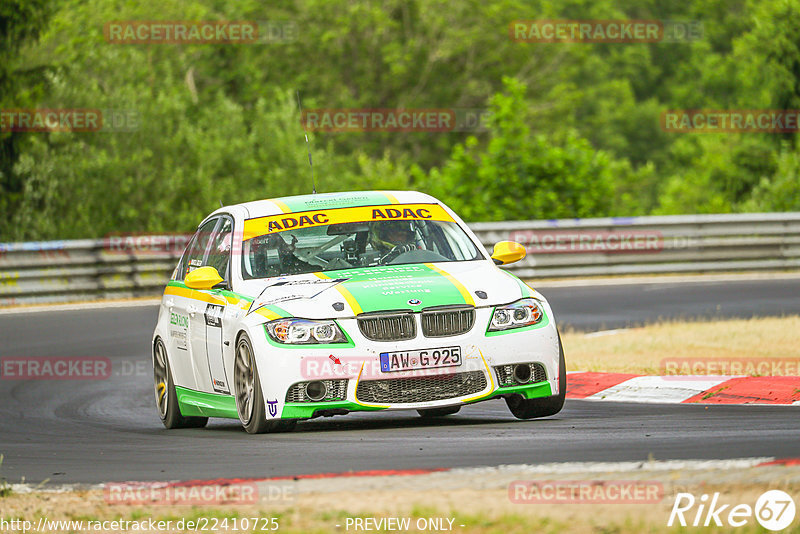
(491, 381)
(355, 393)
(269, 314)
(351, 301)
(194, 294)
(310, 218)
(392, 198)
(461, 289)
(283, 207)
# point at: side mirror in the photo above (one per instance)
(506, 252)
(202, 278)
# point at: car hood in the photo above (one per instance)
(348, 292)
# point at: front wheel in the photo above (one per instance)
(523, 408)
(249, 399)
(166, 398)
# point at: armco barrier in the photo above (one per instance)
(61, 271)
(664, 244)
(57, 271)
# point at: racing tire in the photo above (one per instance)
(247, 392)
(438, 412)
(523, 408)
(166, 398)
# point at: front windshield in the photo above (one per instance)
(345, 245)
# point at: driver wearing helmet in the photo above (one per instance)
(388, 236)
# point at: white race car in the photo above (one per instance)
(299, 307)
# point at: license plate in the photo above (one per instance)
(405, 360)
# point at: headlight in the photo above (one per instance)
(305, 332)
(524, 312)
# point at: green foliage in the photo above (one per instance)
(519, 175)
(574, 133)
(5, 487)
(22, 84)
(781, 191)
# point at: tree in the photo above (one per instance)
(520, 175)
(21, 22)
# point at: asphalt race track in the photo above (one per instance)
(108, 430)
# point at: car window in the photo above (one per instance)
(348, 245)
(195, 253)
(219, 254)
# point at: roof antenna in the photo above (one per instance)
(310, 163)
(221, 205)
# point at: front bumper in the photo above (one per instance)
(369, 388)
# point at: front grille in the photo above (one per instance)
(505, 374)
(336, 390)
(388, 326)
(421, 389)
(450, 321)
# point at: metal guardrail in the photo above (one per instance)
(59, 271)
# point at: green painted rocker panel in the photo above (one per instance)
(198, 404)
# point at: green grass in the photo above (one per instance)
(5, 487)
(714, 392)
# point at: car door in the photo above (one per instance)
(182, 306)
(219, 257)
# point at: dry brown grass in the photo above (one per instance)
(641, 350)
(479, 511)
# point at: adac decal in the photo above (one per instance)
(398, 212)
(272, 405)
(287, 223)
(405, 213)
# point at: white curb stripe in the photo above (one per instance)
(657, 389)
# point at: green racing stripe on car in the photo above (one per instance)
(541, 324)
(529, 391)
(198, 404)
(232, 295)
(305, 346)
(525, 288)
(390, 287)
(305, 410)
(335, 200)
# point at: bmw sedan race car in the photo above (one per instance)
(287, 309)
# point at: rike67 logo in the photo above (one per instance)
(774, 510)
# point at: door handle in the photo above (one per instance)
(192, 310)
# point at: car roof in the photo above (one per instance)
(344, 199)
